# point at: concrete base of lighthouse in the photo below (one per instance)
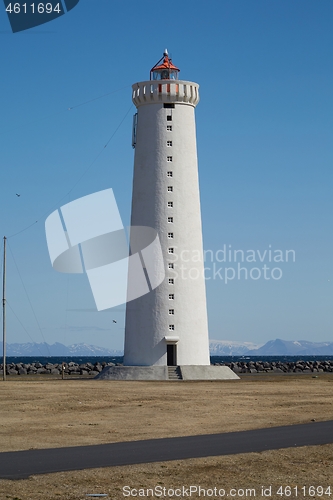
(185, 372)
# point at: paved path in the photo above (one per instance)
(21, 464)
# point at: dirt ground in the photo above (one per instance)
(44, 412)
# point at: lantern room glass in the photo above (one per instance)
(165, 74)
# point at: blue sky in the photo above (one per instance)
(264, 131)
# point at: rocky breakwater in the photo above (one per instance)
(70, 368)
(239, 367)
(280, 366)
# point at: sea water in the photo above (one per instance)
(119, 359)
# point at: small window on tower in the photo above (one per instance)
(169, 143)
(171, 311)
(169, 174)
(170, 219)
(171, 281)
(171, 296)
(170, 236)
(169, 118)
(171, 265)
(170, 250)
(169, 158)
(170, 189)
(169, 128)
(170, 204)
(171, 327)
(169, 105)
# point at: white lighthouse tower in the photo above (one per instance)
(167, 327)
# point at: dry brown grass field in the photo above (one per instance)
(49, 412)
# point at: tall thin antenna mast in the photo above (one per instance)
(4, 309)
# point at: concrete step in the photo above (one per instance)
(174, 373)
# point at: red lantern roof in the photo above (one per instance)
(165, 65)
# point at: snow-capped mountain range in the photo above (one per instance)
(57, 349)
(230, 347)
(280, 347)
(275, 347)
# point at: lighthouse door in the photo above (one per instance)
(171, 355)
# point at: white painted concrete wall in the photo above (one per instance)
(148, 318)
